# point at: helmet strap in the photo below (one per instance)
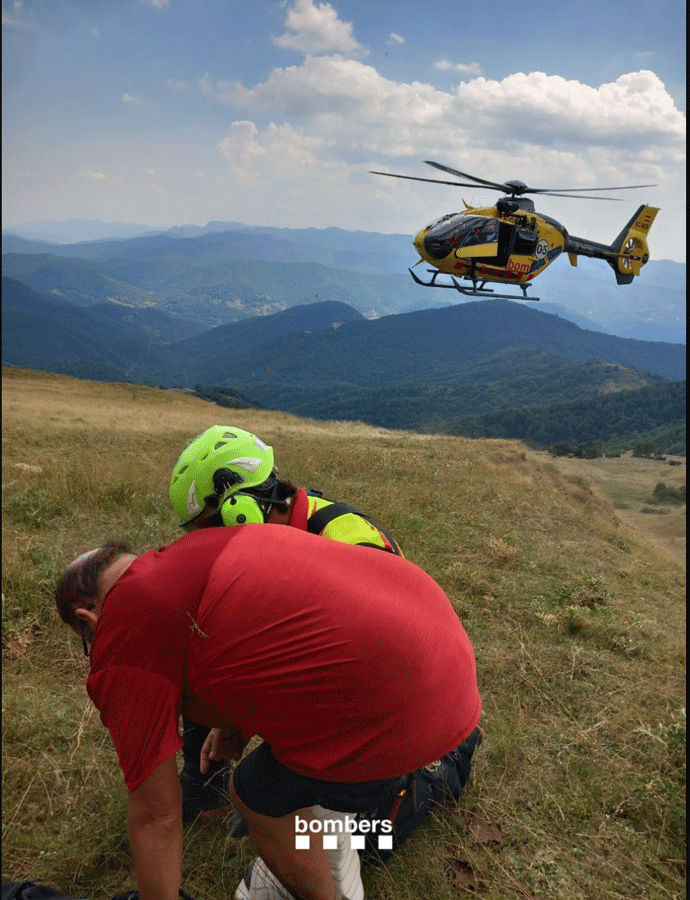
(224, 479)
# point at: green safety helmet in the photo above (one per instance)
(214, 466)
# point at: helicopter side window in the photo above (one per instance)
(505, 232)
(483, 231)
(445, 218)
(446, 233)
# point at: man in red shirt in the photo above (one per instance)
(227, 476)
(315, 646)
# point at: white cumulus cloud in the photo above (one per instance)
(315, 28)
(445, 65)
(279, 149)
(350, 101)
(549, 109)
(332, 86)
(333, 118)
(92, 176)
(395, 38)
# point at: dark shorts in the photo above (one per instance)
(271, 789)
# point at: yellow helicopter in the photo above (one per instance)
(510, 243)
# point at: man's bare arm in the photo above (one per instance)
(155, 833)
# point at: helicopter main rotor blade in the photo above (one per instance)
(463, 184)
(432, 180)
(561, 191)
(514, 189)
(573, 196)
(524, 189)
(493, 184)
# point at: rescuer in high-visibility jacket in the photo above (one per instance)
(227, 476)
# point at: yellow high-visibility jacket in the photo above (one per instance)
(339, 522)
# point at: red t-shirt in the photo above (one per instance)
(349, 662)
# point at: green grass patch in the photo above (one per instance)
(578, 791)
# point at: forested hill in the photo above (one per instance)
(654, 415)
(453, 342)
(448, 369)
(474, 368)
(206, 357)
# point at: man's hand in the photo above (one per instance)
(221, 743)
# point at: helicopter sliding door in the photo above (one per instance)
(506, 235)
(525, 242)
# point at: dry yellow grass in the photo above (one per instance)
(577, 621)
(627, 482)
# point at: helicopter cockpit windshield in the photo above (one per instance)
(455, 231)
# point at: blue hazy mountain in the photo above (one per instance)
(71, 231)
(484, 367)
(227, 271)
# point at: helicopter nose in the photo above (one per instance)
(419, 241)
(433, 242)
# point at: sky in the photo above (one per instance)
(173, 112)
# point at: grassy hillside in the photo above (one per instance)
(628, 483)
(578, 626)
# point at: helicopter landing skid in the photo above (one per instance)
(477, 289)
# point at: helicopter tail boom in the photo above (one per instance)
(627, 254)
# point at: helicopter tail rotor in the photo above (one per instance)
(630, 250)
(627, 254)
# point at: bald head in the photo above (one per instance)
(83, 557)
(81, 585)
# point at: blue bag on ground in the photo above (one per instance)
(435, 787)
(30, 890)
(36, 890)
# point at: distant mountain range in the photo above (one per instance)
(323, 324)
(413, 370)
(226, 271)
(105, 342)
(109, 341)
(421, 370)
(71, 231)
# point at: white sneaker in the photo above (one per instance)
(259, 883)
